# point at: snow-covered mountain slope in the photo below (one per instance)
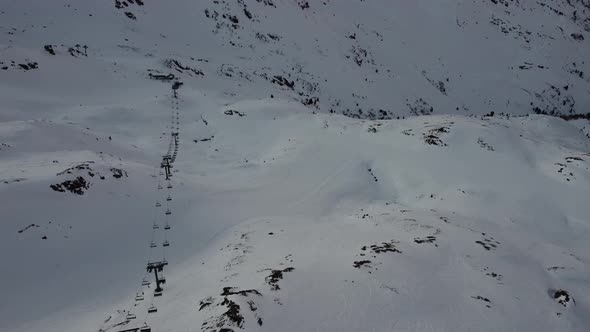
(287, 220)
(371, 59)
(284, 216)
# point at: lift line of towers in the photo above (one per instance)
(157, 267)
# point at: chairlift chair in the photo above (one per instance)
(159, 186)
(158, 204)
(166, 244)
(153, 245)
(155, 226)
(161, 173)
(139, 297)
(130, 316)
(167, 227)
(145, 328)
(168, 212)
(168, 198)
(157, 293)
(169, 185)
(145, 282)
(152, 309)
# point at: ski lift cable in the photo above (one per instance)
(172, 143)
(137, 291)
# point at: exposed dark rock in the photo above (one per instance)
(577, 36)
(232, 291)
(563, 297)
(234, 112)
(275, 276)
(76, 186)
(358, 264)
(49, 49)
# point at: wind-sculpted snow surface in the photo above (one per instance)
(343, 165)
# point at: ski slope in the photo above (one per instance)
(291, 210)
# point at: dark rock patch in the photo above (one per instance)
(358, 264)
(563, 297)
(385, 247)
(49, 49)
(232, 291)
(275, 276)
(234, 112)
(76, 186)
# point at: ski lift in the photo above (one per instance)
(158, 204)
(167, 227)
(168, 198)
(166, 244)
(152, 309)
(130, 316)
(168, 212)
(153, 245)
(145, 328)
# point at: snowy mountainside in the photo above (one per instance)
(285, 216)
(287, 220)
(368, 59)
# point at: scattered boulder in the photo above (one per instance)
(49, 49)
(563, 297)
